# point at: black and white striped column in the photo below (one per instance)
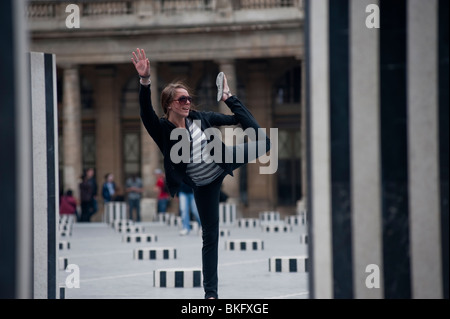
(45, 173)
(16, 275)
(177, 278)
(377, 114)
(288, 264)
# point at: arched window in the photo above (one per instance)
(131, 128)
(287, 118)
(288, 88)
(86, 94)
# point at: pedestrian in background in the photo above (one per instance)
(187, 205)
(134, 191)
(68, 204)
(109, 188)
(86, 192)
(90, 172)
(162, 191)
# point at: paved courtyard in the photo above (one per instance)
(108, 269)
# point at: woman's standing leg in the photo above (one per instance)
(207, 200)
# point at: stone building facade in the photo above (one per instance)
(259, 44)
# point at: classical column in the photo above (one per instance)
(108, 128)
(230, 184)
(16, 255)
(260, 186)
(319, 174)
(72, 147)
(303, 164)
(150, 155)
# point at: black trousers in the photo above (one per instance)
(86, 211)
(207, 200)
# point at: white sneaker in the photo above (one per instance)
(184, 232)
(219, 83)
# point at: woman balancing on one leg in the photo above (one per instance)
(204, 176)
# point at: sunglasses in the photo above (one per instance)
(184, 99)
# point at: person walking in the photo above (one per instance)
(187, 205)
(162, 191)
(68, 204)
(134, 190)
(204, 176)
(109, 188)
(86, 192)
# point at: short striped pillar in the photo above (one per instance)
(174, 221)
(62, 292)
(130, 229)
(65, 226)
(62, 263)
(301, 209)
(177, 278)
(227, 213)
(244, 244)
(276, 228)
(163, 217)
(194, 226)
(295, 220)
(115, 211)
(65, 233)
(288, 264)
(269, 216)
(155, 253)
(64, 245)
(122, 223)
(248, 223)
(140, 238)
(67, 219)
(224, 233)
(304, 239)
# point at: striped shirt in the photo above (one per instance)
(198, 170)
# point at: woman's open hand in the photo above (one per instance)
(141, 63)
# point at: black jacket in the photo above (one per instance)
(161, 128)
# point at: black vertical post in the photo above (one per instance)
(15, 160)
(340, 148)
(394, 149)
(8, 161)
(51, 178)
(308, 147)
(443, 137)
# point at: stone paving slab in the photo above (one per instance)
(108, 270)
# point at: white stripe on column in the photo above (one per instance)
(170, 278)
(24, 171)
(188, 279)
(40, 205)
(365, 150)
(423, 146)
(56, 168)
(320, 149)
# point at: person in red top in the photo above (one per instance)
(68, 205)
(162, 191)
